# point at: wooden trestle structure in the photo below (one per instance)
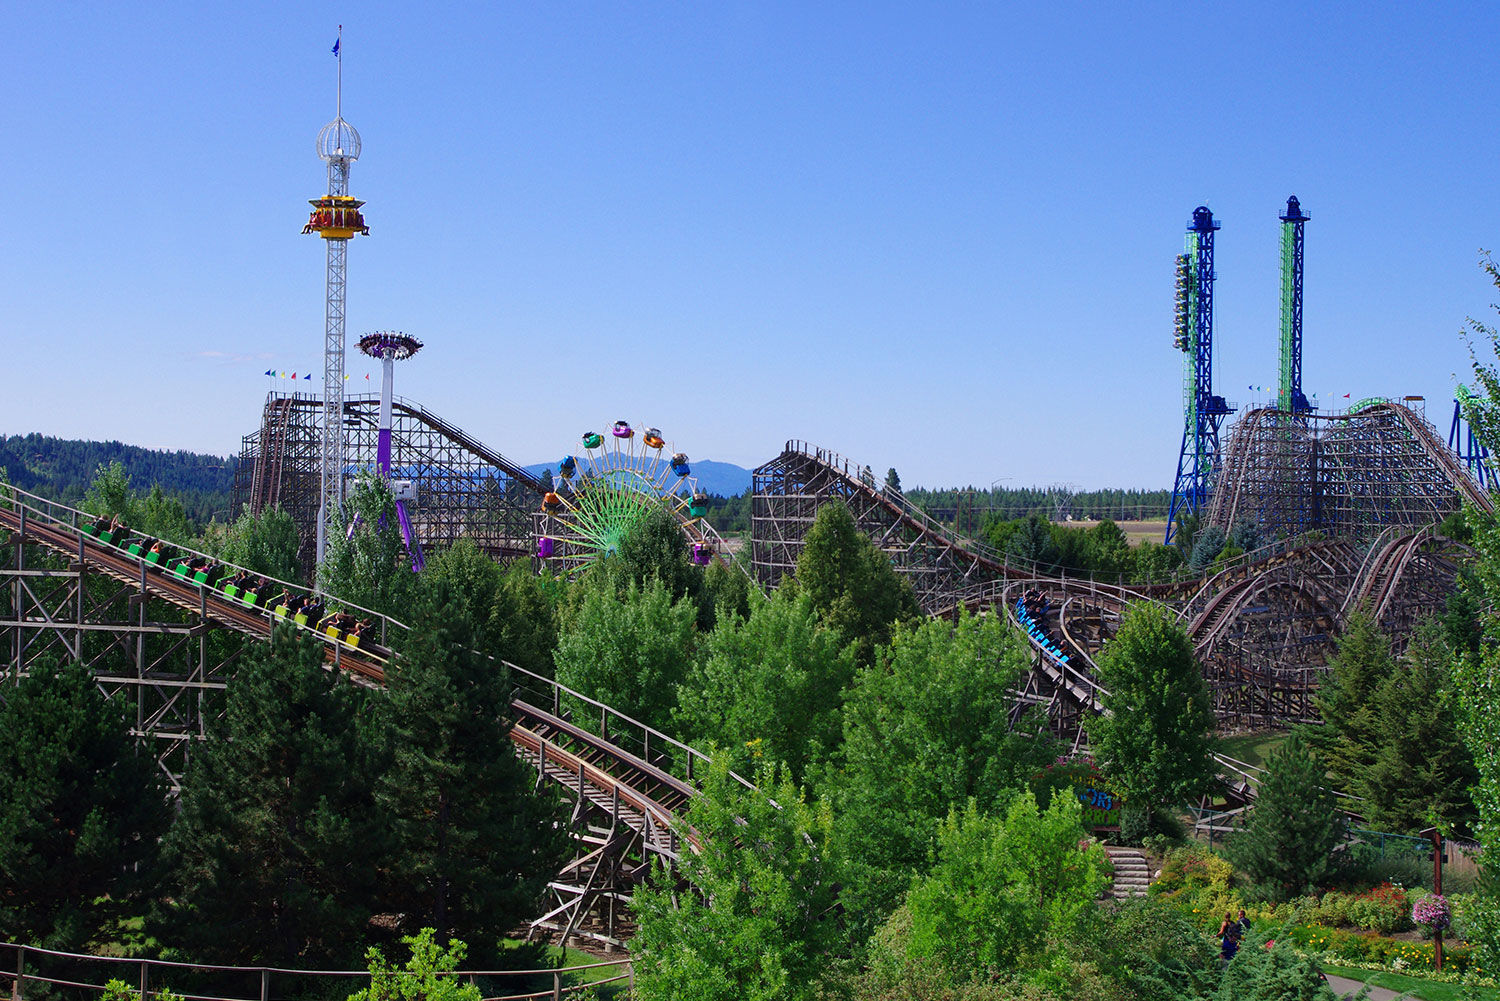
(169, 646)
(462, 487)
(1263, 630)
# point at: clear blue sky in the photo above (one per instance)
(937, 237)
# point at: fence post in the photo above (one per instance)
(265, 984)
(20, 971)
(145, 983)
(556, 986)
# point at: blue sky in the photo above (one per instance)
(936, 237)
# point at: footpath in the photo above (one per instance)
(1346, 988)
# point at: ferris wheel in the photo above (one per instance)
(621, 476)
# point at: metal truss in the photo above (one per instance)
(463, 488)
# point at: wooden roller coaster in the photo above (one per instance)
(96, 603)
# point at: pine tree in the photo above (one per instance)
(474, 841)
(1420, 770)
(853, 586)
(1345, 701)
(1156, 736)
(81, 809)
(271, 853)
(1288, 841)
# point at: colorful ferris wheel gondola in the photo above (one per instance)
(607, 491)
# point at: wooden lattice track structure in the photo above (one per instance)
(168, 647)
(463, 487)
(1263, 629)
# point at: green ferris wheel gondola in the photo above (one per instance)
(621, 479)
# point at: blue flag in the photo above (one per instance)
(270, 372)
(307, 376)
(336, 45)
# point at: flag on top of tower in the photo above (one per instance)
(336, 42)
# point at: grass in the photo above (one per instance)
(1252, 748)
(1427, 990)
(575, 957)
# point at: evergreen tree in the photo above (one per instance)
(1420, 770)
(473, 842)
(1288, 841)
(271, 852)
(1207, 546)
(1346, 700)
(892, 480)
(852, 585)
(81, 809)
(522, 626)
(1156, 734)
(1280, 973)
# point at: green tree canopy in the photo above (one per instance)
(769, 686)
(271, 853)
(1155, 737)
(1420, 769)
(757, 918)
(264, 544)
(1346, 700)
(927, 727)
(630, 653)
(364, 559)
(1003, 895)
(851, 584)
(81, 809)
(473, 842)
(1287, 843)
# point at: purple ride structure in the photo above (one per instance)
(390, 348)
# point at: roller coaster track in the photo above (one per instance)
(625, 778)
(790, 488)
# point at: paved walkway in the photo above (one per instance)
(1346, 988)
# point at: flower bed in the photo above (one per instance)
(1390, 953)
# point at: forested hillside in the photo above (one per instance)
(63, 468)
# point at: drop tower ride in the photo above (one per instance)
(1203, 412)
(337, 219)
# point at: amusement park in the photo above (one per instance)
(568, 729)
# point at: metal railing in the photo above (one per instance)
(85, 975)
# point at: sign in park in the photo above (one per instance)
(1100, 797)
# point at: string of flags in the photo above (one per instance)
(306, 377)
(1276, 389)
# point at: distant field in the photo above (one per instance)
(1135, 531)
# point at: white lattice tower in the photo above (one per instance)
(336, 217)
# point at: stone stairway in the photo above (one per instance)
(1132, 874)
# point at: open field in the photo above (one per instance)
(1135, 531)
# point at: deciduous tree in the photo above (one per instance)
(927, 728)
(757, 917)
(769, 686)
(1155, 737)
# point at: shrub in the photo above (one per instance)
(1384, 908)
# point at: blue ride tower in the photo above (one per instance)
(1203, 412)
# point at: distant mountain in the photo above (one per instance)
(722, 478)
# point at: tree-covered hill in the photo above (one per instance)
(63, 468)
